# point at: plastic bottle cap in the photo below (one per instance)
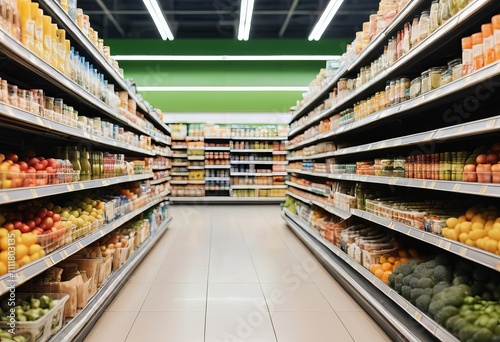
(477, 38)
(487, 30)
(467, 43)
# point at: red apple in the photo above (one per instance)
(28, 182)
(31, 224)
(50, 213)
(56, 217)
(48, 222)
(18, 225)
(41, 166)
(9, 226)
(482, 159)
(50, 162)
(23, 165)
(37, 220)
(25, 228)
(42, 212)
(12, 156)
(33, 161)
(37, 230)
(29, 216)
(41, 226)
(492, 158)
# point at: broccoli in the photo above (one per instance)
(435, 306)
(391, 279)
(407, 279)
(430, 264)
(414, 282)
(441, 273)
(421, 271)
(428, 291)
(415, 293)
(398, 280)
(406, 292)
(462, 279)
(404, 269)
(450, 322)
(423, 302)
(467, 332)
(425, 283)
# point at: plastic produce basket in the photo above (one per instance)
(47, 325)
(54, 240)
(78, 232)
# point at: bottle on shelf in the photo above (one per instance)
(86, 169)
(74, 158)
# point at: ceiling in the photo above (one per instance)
(197, 19)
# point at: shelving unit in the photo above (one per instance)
(44, 132)
(406, 128)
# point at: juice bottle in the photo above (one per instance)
(467, 55)
(86, 172)
(61, 49)
(488, 44)
(496, 35)
(47, 39)
(477, 51)
(34, 12)
(27, 24)
(39, 34)
(54, 56)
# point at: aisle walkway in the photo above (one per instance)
(232, 273)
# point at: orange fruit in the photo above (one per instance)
(491, 246)
(374, 267)
(387, 266)
(413, 252)
(385, 277)
(379, 273)
(403, 253)
(397, 263)
(383, 259)
(21, 251)
(391, 259)
(404, 260)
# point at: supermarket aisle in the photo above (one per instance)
(232, 273)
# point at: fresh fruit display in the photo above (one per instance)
(478, 227)
(28, 309)
(389, 261)
(483, 165)
(6, 336)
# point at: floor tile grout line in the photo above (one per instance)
(208, 277)
(131, 326)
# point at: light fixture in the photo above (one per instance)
(225, 58)
(222, 88)
(156, 13)
(246, 12)
(325, 19)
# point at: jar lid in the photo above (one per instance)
(454, 62)
(426, 73)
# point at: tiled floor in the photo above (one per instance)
(232, 273)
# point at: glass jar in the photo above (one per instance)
(425, 80)
(415, 33)
(434, 16)
(477, 51)
(424, 25)
(435, 76)
(404, 89)
(405, 45)
(444, 11)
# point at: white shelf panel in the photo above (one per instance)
(227, 199)
(297, 223)
(197, 181)
(160, 168)
(249, 174)
(178, 182)
(308, 188)
(36, 267)
(107, 291)
(258, 138)
(218, 138)
(221, 149)
(45, 125)
(179, 155)
(179, 147)
(23, 194)
(196, 167)
(180, 164)
(198, 148)
(257, 162)
(194, 138)
(474, 254)
(279, 173)
(179, 174)
(217, 166)
(252, 150)
(257, 187)
(159, 181)
(331, 209)
(196, 157)
(280, 152)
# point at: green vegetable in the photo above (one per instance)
(414, 282)
(470, 300)
(5, 334)
(423, 302)
(425, 283)
(439, 287)
(450, 322)
(35, 303)
(406, 291)
(458, 324)
(19, 338)
(441, 273)
(407, 279)
(25, 305)
(467, 332)
(482, 321)
(21, 318)
(482, 335)
(415, 293)
(404, 269)
(32, 315)
(444, 313)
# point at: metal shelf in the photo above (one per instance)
(196, 181)
(242, 150)
(180, 164)
(160, 168)
(217, 166)
(259, 138)
(453, 132)
(227, 199)
(81, 324)
(279, 173)
(253, 162)
(179, 174)
(280, 152)
(199, 148)
(179, 147)
(43, 125)
(217, 179)
(218, 138)
(195, 157)
(331, 209)
(196, 167)
(179, 182)
(21, 55)
(257, 187)
(248, 174)
(159, 181)
(217, 149)
(36, 267)
(474, 254)
(180, 155)
(307, 188)
(300, 226)
(364, 58)
(23, 194)
(480, 189)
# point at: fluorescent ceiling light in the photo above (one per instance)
(223, 88)
(156, 13)
(246, 12)
(325, 19)
(224, 58)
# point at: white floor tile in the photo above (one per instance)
(232, 275)
(167, 326)
(360, 327)
(234, 297)
(294, 297)
(338, 298)
(107, 329)
(230, 259)
(176, 297)
(283, 273)
(184, 274)
(309, 326)
(248, 326)
(146, 272)
(131, 297)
